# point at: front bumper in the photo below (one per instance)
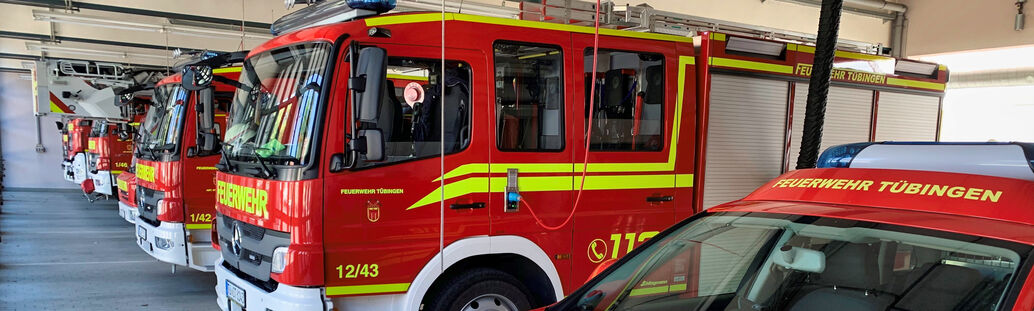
(127, 212)
(285, 297)
(103, 182)
(198, 255)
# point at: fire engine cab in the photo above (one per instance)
(175, 157)
(110, 150)
(877, 226)
(75, 136)
(361, 171)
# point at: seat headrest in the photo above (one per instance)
(852, 265)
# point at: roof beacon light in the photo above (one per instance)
(1010, 160)
(329, 12)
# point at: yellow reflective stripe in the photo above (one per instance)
(916, 84)
(942, 67)
(227, 69)
(677, 288)
(843, 54)
(434, 17)
(116, 172)
(556, 183)
(649, 291)
(55, 108)
(746, 64)
(220, 114)
(717, 36)
(367, 289)
(198, 226)
(134, 123)
(406, 77)
(405, 19)
(205, 168)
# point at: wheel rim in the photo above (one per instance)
(490, 302)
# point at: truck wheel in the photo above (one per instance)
(481, 289)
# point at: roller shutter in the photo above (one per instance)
(848, 118)
(745, 137)
(907, 117)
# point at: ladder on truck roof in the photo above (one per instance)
(641, 18)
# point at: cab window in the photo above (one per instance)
(628, 109)
(410, 118)
(529, 97)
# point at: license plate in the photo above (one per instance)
(141, 232)
(236, 294)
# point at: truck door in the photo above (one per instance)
(532, 147)
(387, 215)
(629, 192)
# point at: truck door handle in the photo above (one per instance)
(467, 205)
(655, 199)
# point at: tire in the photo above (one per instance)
(488, 285)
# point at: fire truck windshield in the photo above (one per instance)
(162, 126)
(752, 261)
(274, 113)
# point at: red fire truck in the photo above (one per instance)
(176, 151)
(109, 153)
(126, 185)
(886, 226)
(75, 136)
(333, 192)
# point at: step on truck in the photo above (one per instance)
(360, 171)
(175, 158)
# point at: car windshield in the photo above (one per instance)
(274, 112)
(163, 124)
(787, 262)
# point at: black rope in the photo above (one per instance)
(818, 87)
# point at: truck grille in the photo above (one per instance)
(247, 249)
(147, 204)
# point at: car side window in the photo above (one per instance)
(529, 97)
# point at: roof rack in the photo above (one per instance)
(641, 18)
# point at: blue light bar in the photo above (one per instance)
(1012, 160)
(379, 6)
(329, 12)
(840, 155)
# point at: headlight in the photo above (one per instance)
(279, 260)
(162, 243)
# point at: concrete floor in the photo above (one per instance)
(59, 252)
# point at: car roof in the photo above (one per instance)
(964, 203)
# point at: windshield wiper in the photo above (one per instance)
(269, 173)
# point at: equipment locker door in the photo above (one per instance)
(746, 136)
(532, 147)
(907, 117)
(848, 119)
(629, 194)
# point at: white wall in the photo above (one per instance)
(24, 168)
(940, 26)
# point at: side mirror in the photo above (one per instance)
(369, 82)
(373, 142)
(196, 78)
(191, 152)
(337, 162)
